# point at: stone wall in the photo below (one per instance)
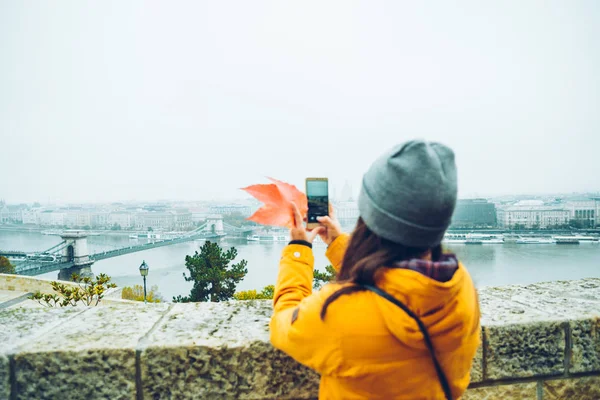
(29, 284)
(540, 341)
(20, 283)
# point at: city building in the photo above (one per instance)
(99, 219)
(51, 218)
(584, 212)
(228, 209)
(8, 215)
(183, 219)
(30, 217)
(12, 214)
(155, 220)
(533, 214)
(474, 213)
(122, 219)
(77, 218)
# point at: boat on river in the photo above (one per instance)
(268, 238)
(576, 239)
(473, 238)
(53, 232)
(535, 240)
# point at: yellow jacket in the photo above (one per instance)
(367, 347)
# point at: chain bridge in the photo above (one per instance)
(71, 254)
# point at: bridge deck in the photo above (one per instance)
(148, 246)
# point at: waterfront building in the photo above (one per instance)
(584, 212)
(474, 213)
(533, 214)
(30, 217)
(122, 219)
(77, 218)
(11, 214)
(156, 220)
(99, 219)
(183, 219)
(51, 218)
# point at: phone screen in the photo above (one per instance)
(317, 194)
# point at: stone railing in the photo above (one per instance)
(540, 341)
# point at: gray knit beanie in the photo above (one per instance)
(409, 193)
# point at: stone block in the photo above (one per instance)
(524, 350)
(4, 377)
(86, 374)
(91, 357)
(253, 371)
(23, 324)
(477, 367)
(220, 351)
(585, 345)
(521, 391)
(585, 388)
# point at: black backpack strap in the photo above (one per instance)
(436, 364)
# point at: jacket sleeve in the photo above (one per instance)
(336, 250)
(296, 326)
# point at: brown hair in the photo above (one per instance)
(366, 255)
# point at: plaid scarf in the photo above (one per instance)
(441, 271)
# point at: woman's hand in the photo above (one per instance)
(332, 228)
(298, 231)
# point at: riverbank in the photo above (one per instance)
(348, 227)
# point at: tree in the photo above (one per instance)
(115, 227)
(321, 278)
(150, 229)
(214, 279)
(5, 266)
(137, 293)
(265, 294)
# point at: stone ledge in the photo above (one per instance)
(221, 350)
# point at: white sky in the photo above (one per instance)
(125, 100)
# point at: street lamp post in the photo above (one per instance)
(144, 272)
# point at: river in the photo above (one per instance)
(490, 265)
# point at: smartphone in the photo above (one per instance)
(317, 193)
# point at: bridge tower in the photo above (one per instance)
(214, 223)
(76, 252)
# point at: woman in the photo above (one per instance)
(401, 321)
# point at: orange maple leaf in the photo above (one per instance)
(276, 197)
